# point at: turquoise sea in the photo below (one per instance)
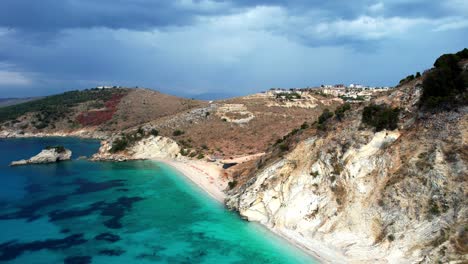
(106, 212)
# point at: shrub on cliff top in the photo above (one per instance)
(446, 84)
(119, 145)
(58, 149)
(381, 117)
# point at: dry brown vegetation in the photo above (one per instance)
(226, 139)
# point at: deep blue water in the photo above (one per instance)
(106, 212)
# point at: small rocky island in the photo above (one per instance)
(50, 154)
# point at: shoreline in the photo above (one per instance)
(326, 255)
(206, 176)
(199, 172)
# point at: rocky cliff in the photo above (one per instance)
(370, 197)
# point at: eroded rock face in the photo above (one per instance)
(366, 197)
(49, 155)
(155, 148)
(152, 147)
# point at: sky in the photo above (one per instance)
(199, 48)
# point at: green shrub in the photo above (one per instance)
(284, 147)
(407, 79)
(154, 132)
(381, 117)
(304, 125)
(443, 85)
(326, 114)
(141, 131)
(339, 112)
(294, 131)
(232, 184)
(177, 133)
(434, 207)
(119, 144)
(58, 148)
(200, 156)
(41, 125)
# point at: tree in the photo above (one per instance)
(444, 84)
(381, 117)
(326, 114)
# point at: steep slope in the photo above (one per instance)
(389, 196)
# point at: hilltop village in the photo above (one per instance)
(351, 93)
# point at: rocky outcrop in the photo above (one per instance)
(152, 147)
(48, 155)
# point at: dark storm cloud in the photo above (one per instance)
(209, 46)
(51, 15)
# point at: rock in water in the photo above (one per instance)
(47, 155)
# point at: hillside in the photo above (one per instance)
(91, 110)
(384, 182)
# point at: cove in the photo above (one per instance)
(107, 212)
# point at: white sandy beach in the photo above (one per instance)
(206, 175)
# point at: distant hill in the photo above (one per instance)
(213, 96)
(104, 109)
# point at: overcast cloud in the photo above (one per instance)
(190, 47)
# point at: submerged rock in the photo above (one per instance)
(47, 155)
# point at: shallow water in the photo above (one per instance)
(107, 212)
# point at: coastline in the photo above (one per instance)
(207, 177)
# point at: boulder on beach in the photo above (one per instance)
(50, 154)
